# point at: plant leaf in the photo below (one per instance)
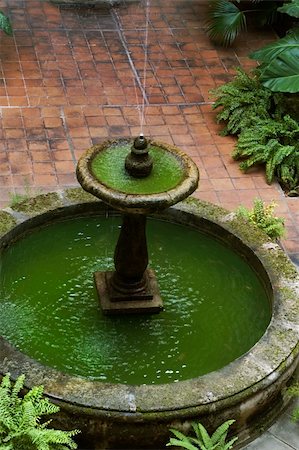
(292, 8)
(274, 49)
(221, 432)
(204, 435)
(282, 74)
(225, 21)
(5, 24)
(185, 444)
(178, 434)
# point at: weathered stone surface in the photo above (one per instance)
(141, 203)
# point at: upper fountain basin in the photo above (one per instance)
(101, 171)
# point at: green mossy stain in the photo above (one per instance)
(6, 222)
(238, 226)
(78, 195)
(248, 232)
(281, 264)
(39, 204)
(204, 209)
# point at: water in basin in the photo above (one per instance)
(108, 167)
(216, 307)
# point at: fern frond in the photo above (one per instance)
(20, 426)
(281, 152)
(243, 101)
(220, 434)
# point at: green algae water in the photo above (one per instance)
(216, 308)
(166, 174)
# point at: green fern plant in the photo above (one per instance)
(274, 143)
(293, 391)
(242, 101)
(203, 441)
(263, 217)
(20, 426)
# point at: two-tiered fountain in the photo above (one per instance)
(132, 287)
(226, 344)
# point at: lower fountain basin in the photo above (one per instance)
(115, 415)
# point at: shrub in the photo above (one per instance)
(262, 216)
(276, 144)
(242, 101)
(267, 134)
(20, 426)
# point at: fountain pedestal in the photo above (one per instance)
(131, 288)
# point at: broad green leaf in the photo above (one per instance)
(282, 74)
(292, 8)
(5, 24)
(271, 51)
(225, 21)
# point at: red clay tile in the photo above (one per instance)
(70, 84)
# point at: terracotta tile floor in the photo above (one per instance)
(71, 77)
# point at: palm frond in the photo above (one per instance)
(225, 21)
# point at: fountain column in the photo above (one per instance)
(128, 279)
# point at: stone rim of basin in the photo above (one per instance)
(271, 361)
(137, 203)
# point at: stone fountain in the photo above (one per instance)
(132, 287)
(137, 414)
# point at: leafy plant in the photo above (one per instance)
(263, 217)
(226, 19)
(279, 69)
(203, 441)
(20, 427)
(267, 135)
(242, 100)
(5, 24)
(293, 391)
(291, 8)
(274, 143)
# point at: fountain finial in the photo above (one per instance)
(139, 163)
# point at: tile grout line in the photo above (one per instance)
(282, 441)
(121, 105)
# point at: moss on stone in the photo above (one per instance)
(6, 222)
(78, 195)
(248, 232)
(39, 204)
(251, 234)
(205, 209)
(280, 263)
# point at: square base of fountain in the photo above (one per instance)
(148, 302)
